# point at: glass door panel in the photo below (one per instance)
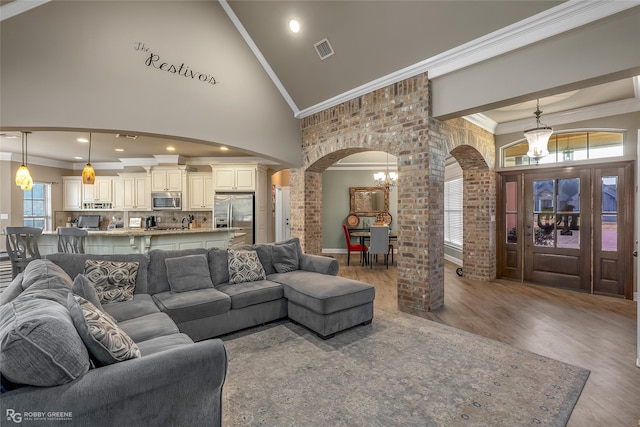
(609, 208)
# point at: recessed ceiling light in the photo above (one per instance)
(294, 26)
(171, 148)
(78, 158)
(82, 140)
(119, 149)
(224, 149)
(4, 135)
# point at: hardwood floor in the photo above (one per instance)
(591, 331)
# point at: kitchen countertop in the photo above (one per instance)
(151, 232)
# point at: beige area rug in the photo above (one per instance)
(399, 371)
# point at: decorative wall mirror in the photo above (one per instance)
(368, 201)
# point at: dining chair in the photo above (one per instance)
(22, 247)
(379, 243)
(71, 240)
(362, 248)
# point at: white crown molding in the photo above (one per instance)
(564, 17)
(362, 167)
(100, 166)
(625, 106)
(263, 61)
(17, 7)
(7, 156)
(202, 161)
(143, 162)
(482, 121)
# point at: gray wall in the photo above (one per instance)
(335, 204)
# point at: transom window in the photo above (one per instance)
(567, 147)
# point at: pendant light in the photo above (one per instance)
(538, 137)
(386, 179)
(23, 176)
(88, 174)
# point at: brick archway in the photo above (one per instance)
(474, 149)
(394, 119)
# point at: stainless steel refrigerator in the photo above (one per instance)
(236, 210)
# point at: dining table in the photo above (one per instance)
(366, 234)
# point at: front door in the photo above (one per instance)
(557, 243)
(568, 228)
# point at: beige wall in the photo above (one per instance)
(69, 64)
(605, 50)
(11, 194)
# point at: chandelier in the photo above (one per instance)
(386, 179)
(23, 176)
(538, 137)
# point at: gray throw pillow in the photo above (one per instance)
(83, 287)
(44, 274)
(244, 266)
(39, 344)
(106, 342)
(285, 257)
(114, 281)
(188, 273)
(13, 290)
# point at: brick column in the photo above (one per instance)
(479, 233)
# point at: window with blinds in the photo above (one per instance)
(453, 212)
(37, 206)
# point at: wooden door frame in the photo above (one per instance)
(625, 245)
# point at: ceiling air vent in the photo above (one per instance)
(324, 49)
(122, 135)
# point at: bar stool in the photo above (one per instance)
(22, 247)
(71, 240)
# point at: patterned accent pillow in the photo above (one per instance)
(244, 266)
(106, 342)
(114, 281)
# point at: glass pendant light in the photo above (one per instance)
(538, 137)
(23, 176)
(88, 174)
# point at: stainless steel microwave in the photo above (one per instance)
(166, 200)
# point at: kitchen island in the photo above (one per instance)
(138, 240)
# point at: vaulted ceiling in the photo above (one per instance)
(372, 42)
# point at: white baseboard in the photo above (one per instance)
(453, 259)
(333, 251)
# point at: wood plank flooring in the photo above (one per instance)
(591, 331)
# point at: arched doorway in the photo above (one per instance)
(396, 119)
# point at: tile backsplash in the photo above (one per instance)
(164, 219)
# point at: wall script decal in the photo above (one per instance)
(153, 60)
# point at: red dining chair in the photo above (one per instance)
(352, 247)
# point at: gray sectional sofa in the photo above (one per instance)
(179, 302)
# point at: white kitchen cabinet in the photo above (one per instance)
(71, 193)
(136, 193)
(235, 178)
(166, 179)
(200, 191)
(100, 191)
